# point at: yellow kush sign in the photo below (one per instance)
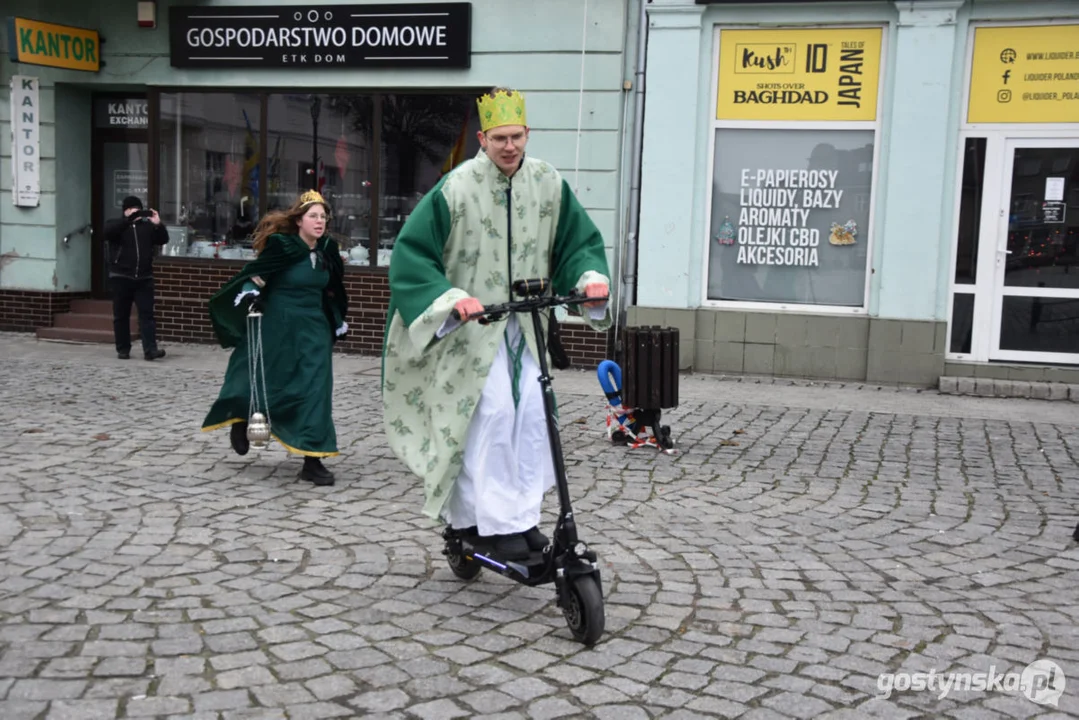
(805, 74)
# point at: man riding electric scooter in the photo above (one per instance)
(464, 411)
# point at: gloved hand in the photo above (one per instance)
(246, 299)
(596, 290)
(468, 307)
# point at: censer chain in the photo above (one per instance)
(256, 368)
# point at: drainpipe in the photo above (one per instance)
(629, 276)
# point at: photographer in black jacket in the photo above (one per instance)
(132, 242)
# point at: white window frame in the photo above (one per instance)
(985, 330)
(715, 124)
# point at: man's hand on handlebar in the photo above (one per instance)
(468, 308)
(595, 295)
(596, 290)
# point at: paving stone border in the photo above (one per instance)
(991, 387)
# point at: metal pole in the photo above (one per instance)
(179, 101)
(629, 277)
(316, 104)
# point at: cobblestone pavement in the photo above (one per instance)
(804, 541)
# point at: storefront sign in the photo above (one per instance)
(25, 141)
(122, 113)
(321, 36)
(1053, 213)
(1025, 75)
(61, 46)
(805, 74)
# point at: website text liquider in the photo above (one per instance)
(1054, 77)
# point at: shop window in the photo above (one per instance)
(790, 216)
(214, 184)
(323, 142)
(209, 171)
(970, 207)
(423, 138)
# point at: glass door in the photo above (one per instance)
(1036, 270)
(125, 170)
(120, 164)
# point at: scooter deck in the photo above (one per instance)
(535, 565)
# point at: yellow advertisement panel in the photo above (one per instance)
(1025, 75)
(60, 46)
(806, 74)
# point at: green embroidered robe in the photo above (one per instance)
(473, 234)
(304, 302)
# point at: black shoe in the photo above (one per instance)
(314, 471)
(238, 437)
(154, 354)
(535, 539)
(511, 547)
(126, 355)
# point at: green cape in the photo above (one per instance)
(281, 251)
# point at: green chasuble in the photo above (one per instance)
(303, 302)
(473, 234)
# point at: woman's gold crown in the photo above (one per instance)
(311, 196)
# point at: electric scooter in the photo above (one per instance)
(566, 561)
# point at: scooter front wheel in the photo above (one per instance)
(463, 567)
(583, 609)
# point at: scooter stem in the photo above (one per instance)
(569, 527)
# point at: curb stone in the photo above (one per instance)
(990, 387)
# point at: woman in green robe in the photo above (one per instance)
(296, 281)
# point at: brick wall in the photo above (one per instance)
(27, 310)
(184, 286)
(182, 290)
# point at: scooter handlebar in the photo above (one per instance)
(533, 302)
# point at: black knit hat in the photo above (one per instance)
(132, 202)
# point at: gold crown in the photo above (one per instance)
(310, 197)
(507, 107)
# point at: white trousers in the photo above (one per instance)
(507, 463)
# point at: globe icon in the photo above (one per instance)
(1007, 56)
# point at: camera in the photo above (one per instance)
(141, 216)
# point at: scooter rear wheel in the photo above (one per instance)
(462, 567)
(584, 609)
